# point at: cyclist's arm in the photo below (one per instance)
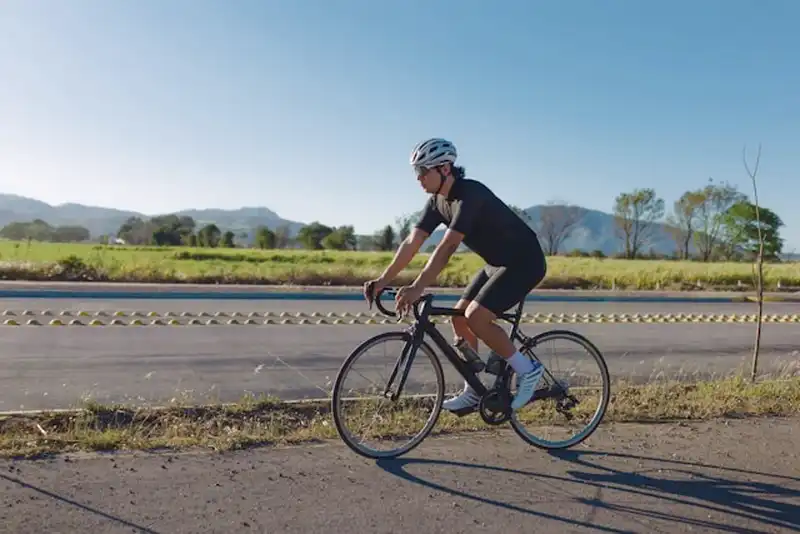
(405, 253)
(428, 222)
(438, 260)
(466, 213)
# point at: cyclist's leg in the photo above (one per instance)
(468, 397)
(460, 326)
(505, 288)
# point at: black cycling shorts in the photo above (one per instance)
(500, 288)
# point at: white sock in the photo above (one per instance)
(521, 363)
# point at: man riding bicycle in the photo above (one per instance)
(515, 262)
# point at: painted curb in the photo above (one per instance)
(256, 295)
(332, 318)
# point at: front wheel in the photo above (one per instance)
(572, 399)
(399, 369)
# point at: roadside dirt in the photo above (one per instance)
(723, 476)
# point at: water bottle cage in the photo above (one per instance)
(496, 364)
(469, 356)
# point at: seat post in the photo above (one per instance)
(518, 315)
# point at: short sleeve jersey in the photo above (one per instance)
(491, 229)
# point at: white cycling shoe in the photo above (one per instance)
(466, 400)
(526, 386)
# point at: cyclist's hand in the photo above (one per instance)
(406, 297)
(371, 288)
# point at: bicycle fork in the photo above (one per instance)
(404, 361)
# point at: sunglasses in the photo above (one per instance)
(421, 171)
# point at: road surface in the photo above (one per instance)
(628, 478)
(48, 367)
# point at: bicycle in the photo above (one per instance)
(494, 407)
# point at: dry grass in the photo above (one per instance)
(266, 421)
(54, 261)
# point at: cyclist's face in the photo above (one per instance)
(429, 179)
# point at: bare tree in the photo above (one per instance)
(758, 268)
(714, 202)
(636, 215)
(282, 236)
(683, 220)
(404, 224)
(556, 223)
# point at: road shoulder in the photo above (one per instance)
(725, 475)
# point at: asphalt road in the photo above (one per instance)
(628, 478)
(49, 367)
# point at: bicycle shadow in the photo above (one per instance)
(85, 508)
(745, 500)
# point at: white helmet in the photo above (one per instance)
(433, 152)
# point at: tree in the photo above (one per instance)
(227, 239)
(750, 231)
(404, 225)
(70, 234)
(759, 268)
(136, 231)
(714, 202)
(384, 239)
(209, 236)
(39, 230)
(636, 214)
(556, 223)
(265, 238)
(169, 229)
(311, 236)
(683, 220)
(282, 236)
(342, 238)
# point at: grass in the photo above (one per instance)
(267, 421)
(62, 262)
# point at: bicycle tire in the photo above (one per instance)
(606, 390)
(424, 349)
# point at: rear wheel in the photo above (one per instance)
(403, 423)
(574, 399)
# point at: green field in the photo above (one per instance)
(54, 261)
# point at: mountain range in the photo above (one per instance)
(595, 231)
(106, 221)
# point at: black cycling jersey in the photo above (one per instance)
(491, 229)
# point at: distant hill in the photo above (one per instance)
(242, 220)
(103, 221)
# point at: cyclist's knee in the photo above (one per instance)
(477, 315)
(459, 322)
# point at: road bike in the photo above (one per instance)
(495, 404)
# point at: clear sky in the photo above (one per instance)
(311, 107)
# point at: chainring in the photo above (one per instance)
(495, 406)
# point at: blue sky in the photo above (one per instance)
(311, 107)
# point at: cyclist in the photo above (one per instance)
(515, 262)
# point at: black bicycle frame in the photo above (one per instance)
(423, 325)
